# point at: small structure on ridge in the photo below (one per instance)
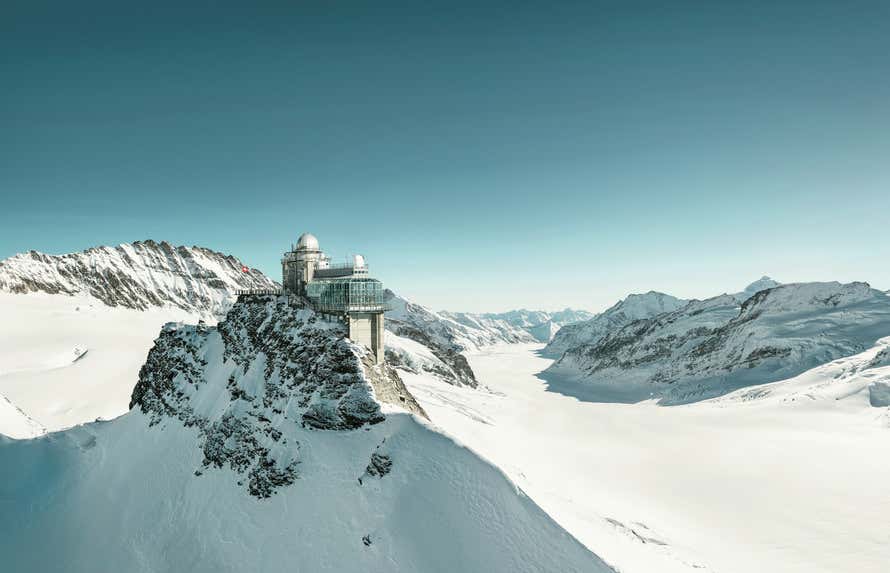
(341, 292)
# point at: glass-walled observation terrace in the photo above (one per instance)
(346, 295)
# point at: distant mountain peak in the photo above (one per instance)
(633, 307)
(763, 283)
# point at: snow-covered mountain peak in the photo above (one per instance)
(808, 297)
(137, 275)
(762, 283)
(641, 305)
(634, 307)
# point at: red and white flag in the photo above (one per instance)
(245, 270)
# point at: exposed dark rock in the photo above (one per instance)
(379, 466)
(277, 365)
(448, 353)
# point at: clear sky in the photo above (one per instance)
(481, 155)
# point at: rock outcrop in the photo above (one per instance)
(280, 365)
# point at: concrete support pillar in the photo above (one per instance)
(366, 329)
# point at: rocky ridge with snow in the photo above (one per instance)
(272, 403)
(137, 275)
(708, 348)
(280, 362)
(634, 307)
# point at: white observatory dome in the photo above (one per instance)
(358, 262)
(307, 241)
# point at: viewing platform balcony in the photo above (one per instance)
(258, 292)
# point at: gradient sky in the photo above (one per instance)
(481, 155)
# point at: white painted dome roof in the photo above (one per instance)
(307, 241)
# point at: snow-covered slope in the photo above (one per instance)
(76, 328)
(15, 423)
(140, 275)
(443, 337)
(712, 347)
(260, 445)
(851, 383)
(788, 477)
(634, 307)
(66, 360)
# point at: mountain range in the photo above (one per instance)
(82, 325)
(137, 275)
(260, 437)
(707, 348)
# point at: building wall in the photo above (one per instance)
(377, 339)
(296, 271)
(366, 328)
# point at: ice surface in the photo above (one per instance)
(790, 477)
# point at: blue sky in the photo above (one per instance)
(483, 156)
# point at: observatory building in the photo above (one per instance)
(341, 291)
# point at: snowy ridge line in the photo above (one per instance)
(137, 275)
(633, 307)
(712, 347)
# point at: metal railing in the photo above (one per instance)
(345, 308)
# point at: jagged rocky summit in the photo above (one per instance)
(137, 275)
(265, 444)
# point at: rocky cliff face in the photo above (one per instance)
(281, 366)
(710, 347)
(140, 275)
(434, 342)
